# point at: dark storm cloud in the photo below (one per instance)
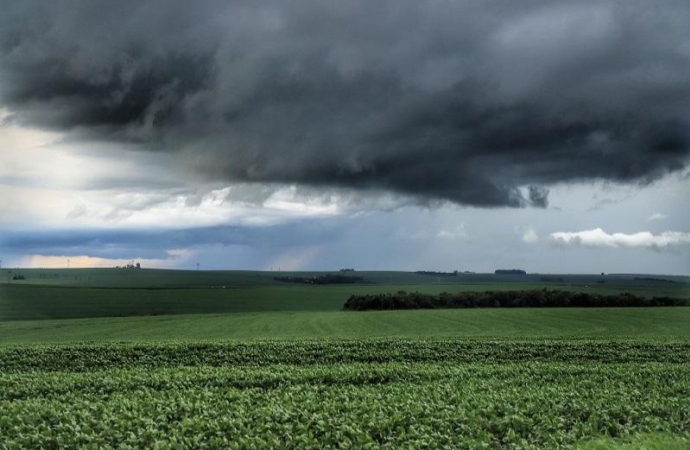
(539, 196)
(467, 101)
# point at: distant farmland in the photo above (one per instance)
(80, 293)
(146, 358)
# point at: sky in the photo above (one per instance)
(549, 136)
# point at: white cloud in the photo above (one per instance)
(458, 233)
(600, 238)
(657, 216)
(4, 114)
(530, 236)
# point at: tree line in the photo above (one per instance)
(322, 279)
(503, 299)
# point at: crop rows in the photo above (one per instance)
(463, 394)
(86, 357)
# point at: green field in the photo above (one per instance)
(170, 359)
(344, 394)
(571, 323)
(81, 293)
(186, 279)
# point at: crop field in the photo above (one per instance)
(84, 293)
(344, 394)
(159, 359)
(545, 323)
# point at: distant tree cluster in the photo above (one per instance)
(130, 266)
(322, 279)
(503, 299)
(437, 274)
(18, 276)
(658, 280)
(509, 272)
(347, 270)
(45, 276)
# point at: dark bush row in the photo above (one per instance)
(503, 299)
(322, 279)
(437, 274)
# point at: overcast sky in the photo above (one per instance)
(552, 136)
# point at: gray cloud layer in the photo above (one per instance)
(464, 101)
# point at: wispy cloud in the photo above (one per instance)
(458, 233)
(600, 238)
(530, 236)
(657, 216)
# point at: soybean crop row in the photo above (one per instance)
(342, 394)
(86, 357)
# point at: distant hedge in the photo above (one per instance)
(503, 299)
(322, 279)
